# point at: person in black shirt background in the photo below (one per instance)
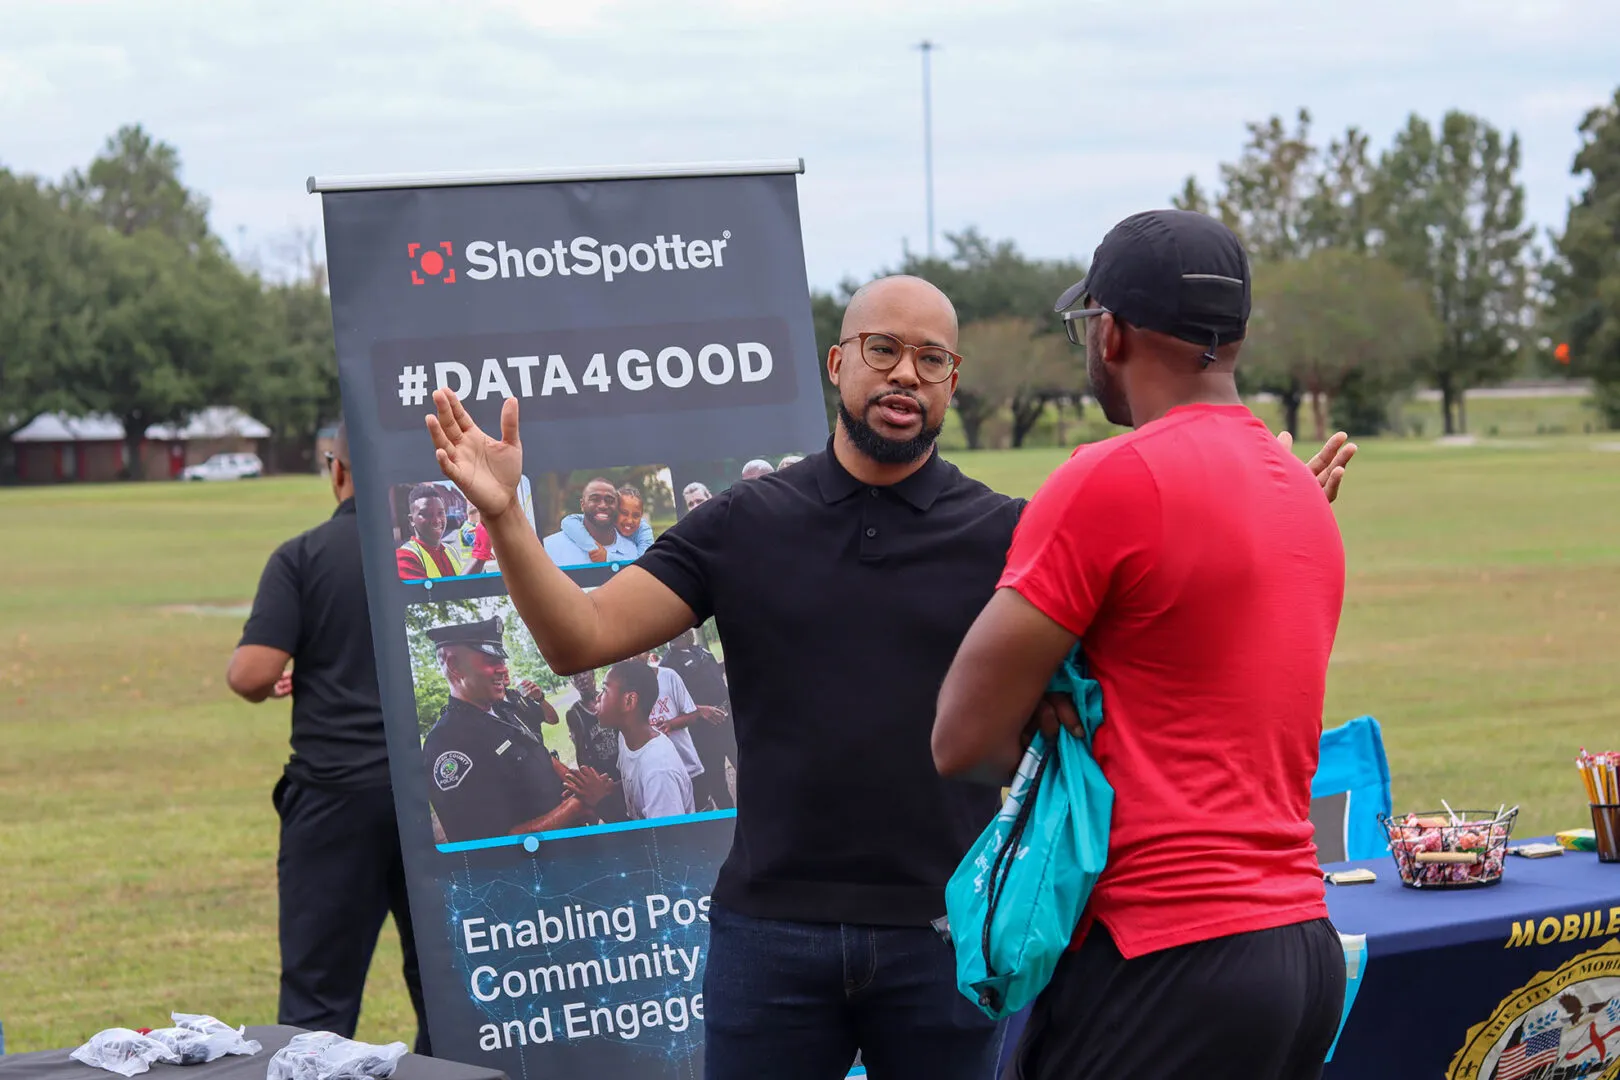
(595, 746)
(841, 588)
(339, 870)
(715, 740)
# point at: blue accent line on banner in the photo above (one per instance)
(614, 565)
(587, 830)
(428, 583)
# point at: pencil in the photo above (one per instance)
(1588, 778)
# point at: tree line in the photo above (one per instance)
(1374, 273)
(117, 298)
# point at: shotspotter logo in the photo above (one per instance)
(583, 256)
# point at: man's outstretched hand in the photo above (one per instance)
(1329, 463)
(486, 470)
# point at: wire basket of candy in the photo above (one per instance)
(1449, 849)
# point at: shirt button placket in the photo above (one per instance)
(870, 546)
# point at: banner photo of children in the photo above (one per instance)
(437, 534)
(702, 481)
(512, 750)
(597, 517)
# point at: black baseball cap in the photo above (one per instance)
(1178, 272)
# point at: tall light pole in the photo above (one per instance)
(927, 48)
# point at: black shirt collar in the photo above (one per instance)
(920, 489)
(344, 507)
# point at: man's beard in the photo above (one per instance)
(1105, 390)
(886, 451)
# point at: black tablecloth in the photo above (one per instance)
(57, 1065)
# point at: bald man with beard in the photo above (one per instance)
(864, 564)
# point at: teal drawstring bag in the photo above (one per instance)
(1013, 903)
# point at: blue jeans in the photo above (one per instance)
(797, 1001)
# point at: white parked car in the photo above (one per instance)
(225, 467)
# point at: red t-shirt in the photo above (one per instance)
(1202, 568)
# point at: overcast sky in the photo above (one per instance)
(1051, 120)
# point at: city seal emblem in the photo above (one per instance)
(1564, 1022)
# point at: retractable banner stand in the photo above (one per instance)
(654, 325)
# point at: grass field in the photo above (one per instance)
(137, 842)
(1490, 417)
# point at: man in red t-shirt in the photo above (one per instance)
(1197, 561)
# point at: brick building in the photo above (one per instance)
(56, 448)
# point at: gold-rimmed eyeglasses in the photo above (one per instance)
(883, 352)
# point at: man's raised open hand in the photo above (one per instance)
(1329, 463)
(486, 470)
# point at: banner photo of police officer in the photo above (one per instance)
(562, 835)
(512, 750)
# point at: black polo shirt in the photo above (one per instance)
(311, 604)
(488, 773)
(840, 607)
(701, 674)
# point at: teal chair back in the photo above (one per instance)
(1349, 792)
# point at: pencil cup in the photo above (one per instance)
(1606, 824)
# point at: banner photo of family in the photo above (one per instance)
(512, 750)
(437, 535)
(603, 517)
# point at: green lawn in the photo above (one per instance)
(137, 843)
(1488, 417)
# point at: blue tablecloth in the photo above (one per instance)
(1454, 984)
(1523, 974)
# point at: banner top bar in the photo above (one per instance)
(318, 184)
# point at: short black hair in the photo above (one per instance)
(427, 491)
(639, 679)
(630, 490)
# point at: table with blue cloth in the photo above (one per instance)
(1514, 981)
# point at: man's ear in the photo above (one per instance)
(835, 362)
(1112, 334)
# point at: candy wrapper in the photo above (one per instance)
(321, 1055)
(1450, 850)
(122, 1051)
(219, 1038)
(188, 1047)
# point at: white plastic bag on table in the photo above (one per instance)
(125, 1052)
(220, 1038)
(322, 1055)
(192, 1047)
